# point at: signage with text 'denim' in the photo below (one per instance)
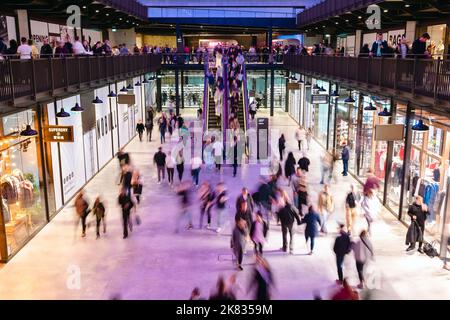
(58, 134)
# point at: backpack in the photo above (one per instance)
(351, 200)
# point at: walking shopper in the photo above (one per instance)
(281, 146)
(140, 129)
(180, 164)
(253, 109)
(245, 197)
(326, 167)
(370, 207)
(238, 241)
(217, 149)
(149, 129)
(258, 233)
(136, 183)
(289, 167)
(309, 135)
(160, 160)
(235, 155)
(342, 246)
(418, 211)
(207, 200)
(82, 210)
(170, 164)
(350, 209)
(304, 163)
(99, 212)
(126, 204)
(345, 157)
(287, 215)
(325, 206)
(262, 280)
(300, 135)
(363, 251)
(300, 188)
(245, 213)
(221, 204)
(196, 164)
(312, 221)
(162, 128)
(183, 191)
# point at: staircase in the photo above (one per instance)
(212, 123)
(241, 112)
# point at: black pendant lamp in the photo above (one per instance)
(123, 89)
(335, 94)
(316, 87)
(97, 101)
(62, 113)
(349, 99)
(308, 84)
(145, 81)
(384, 113)
(138, 84)
(112, 94)
(130, 87)
(420, 126)
(300, 81)
(28, 132)
(77, 108)
(322, 89)
(370, 107)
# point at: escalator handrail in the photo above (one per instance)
(225, 99)
(246, 102)
(205, 99)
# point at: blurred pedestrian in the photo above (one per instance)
(304, 162)
(206, 202)
(221, 204)
(363, 251)
(281, 146)
(170, 165)
(313, 222)
(370, 207)
(350, 208)
(287, 215)
(126, 204)
(195, 295)
(325, 206)
(160, 160)
(179, 160)
(345, 155)
(341, 248)
(258, 233)
(300, 136)
(82, 210)
(262, 280)
(222, 293)
(184, 190)
(140, 128)
(289, 167)
(137, 185)
(196, 164)
(98, 210)
(238, 240)
(149, 129)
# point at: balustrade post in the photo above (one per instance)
(436, 78)
(396, 73)
(66, 73)
(33, 79)
(413, 87)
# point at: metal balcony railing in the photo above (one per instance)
(20, 78)
(423, 77)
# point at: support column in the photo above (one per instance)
(389, 155)
(410, 32)
(335, 107)
(266, 78)
(272, 92)
(359, 134)
(406, 161)
(23, 23)
(358, 42)
(286, 102)
(269, 44)
(182, 89)
(177, 92)
(158, 92)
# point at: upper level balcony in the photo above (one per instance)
(424, 81)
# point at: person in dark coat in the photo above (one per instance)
(262, 280)
(304, 163)
(245, 197)
(419, 47)
(418, 212)
(345, 157)
(313, 222)
(149, 129)
(98, 210)
(281, 146)
(140, 129)
(289, 166)
(364, 52)
(238, 240)
(244, 213)
(379, 47)
(287, 215)
(46, 50)
(126, 204)
(342, 246)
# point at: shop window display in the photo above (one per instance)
(23, 206)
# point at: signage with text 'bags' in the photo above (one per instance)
(128, 99)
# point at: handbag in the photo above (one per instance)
(429, 249)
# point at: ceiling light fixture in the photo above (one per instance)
(77, 108)
(62, 113)
(28, 132)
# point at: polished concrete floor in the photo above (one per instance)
(156, 263)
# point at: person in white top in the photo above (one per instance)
(24, 50)
(253, 109)
(240, 59)
(170, 165)
(370, 207)
(78, 48)
(196, 164)
(300, 135)
(217, 149)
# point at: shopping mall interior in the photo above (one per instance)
(129, 129)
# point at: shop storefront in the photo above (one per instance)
(23, 210)
(38, 175)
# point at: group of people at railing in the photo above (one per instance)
(60, 48)
(379, 48)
